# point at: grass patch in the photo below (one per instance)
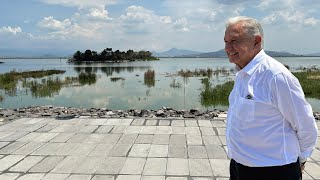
(205, 72)
(149, 78)
(87, 78)
(115, 79)
(1, 98)
(310, 82)
(213, 96)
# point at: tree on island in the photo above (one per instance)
(107, 55)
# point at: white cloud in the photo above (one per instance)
(311, 21)
(81, 3)
(53, 24)
(12, 30)
(137, 14)
(99, 14)
(166, 19)
(181, 25)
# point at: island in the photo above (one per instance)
(107, 55)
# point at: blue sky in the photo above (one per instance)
(155, 25)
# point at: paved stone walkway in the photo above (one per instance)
(118, 149)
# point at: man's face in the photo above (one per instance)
(239, 46)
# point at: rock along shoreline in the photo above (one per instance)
(69, 113)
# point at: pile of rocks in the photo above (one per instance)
(64, 112)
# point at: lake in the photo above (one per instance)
(130, 91)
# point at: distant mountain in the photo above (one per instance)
(35, 53)
(174, 52)
(313, 54)
(217, 54)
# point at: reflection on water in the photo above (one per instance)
(124, 86)
(149, 78)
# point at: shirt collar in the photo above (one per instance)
(253, 64)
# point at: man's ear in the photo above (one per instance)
(257, 41)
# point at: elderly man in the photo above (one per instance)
(271, 130)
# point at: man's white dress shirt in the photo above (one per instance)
(269, 123)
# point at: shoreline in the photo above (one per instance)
(7, 114)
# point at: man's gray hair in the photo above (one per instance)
(251, 25)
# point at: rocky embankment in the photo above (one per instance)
(65, 113)
(68, 112)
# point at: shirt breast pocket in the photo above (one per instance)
(246, 110)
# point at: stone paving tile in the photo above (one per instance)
(178, 139)
(140, 150)
(161, 139)
(216, 152)
(104, 129)
(218, 123)
(148, 130)
(88, 129)
(127, 138)
(197, 152)
(191, 123)
(178, 130)
(47, 128)
(164, 122)
(78, 138)
(68, 165)
(47, 149)
(207, 131)
(200, 167)
(111, 138)
(178, 123)
(153, 178)
(193, 131)
(28, 148)
(120, 150)
(315, 155)
(138, 122)
(12, 147)
(9, 176)
(208, 178)
(133, 166)
(127, 177)
(211, 140)
(133, 130)
(223, 140)
(163, 130)
(9, 160)
(83, 149)
(158, 151)
(5, 134)
(14, 136)
(177, 151)
(2, 144)
(204, 123)
(94, 138)
(155, 166)
(62, 137)
(97, 121)
(177, 178)
(79, 177)
(54, 176)
(144, 139)
(47, 164)
(221, 131)
(177, 167)
(65, 149)
(151, 122)
(103, 177)
(194, 140)
(89, 166)
(33, 176)
(101, 150)
(220, 167)
(313, 170)
(111, 165)
(26, 164)
(119, 129)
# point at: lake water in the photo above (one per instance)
(131, 92)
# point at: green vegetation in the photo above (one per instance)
(149, 78)
(115, 79)
(310, 82)
(87, 78)
(108, 55)
(213, 96)
(45, 87)
(204, 72)
(175, 84)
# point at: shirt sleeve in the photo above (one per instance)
(289, 98)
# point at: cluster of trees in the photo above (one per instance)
(108, 55)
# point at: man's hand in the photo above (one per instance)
(302, 166)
